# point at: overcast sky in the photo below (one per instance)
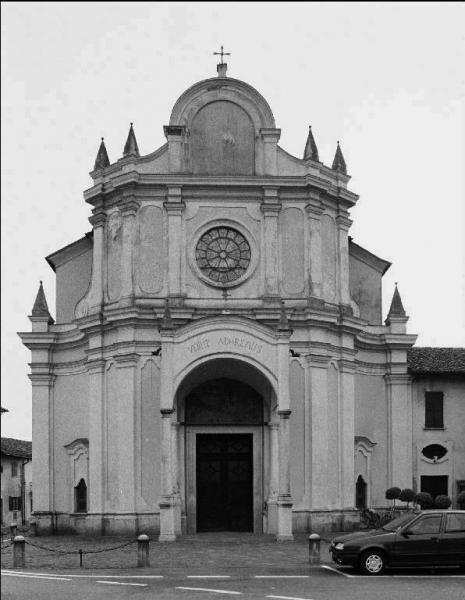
(387, 80)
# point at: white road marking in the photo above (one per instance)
(288, 598)
(281, 576)
(445, 576)
(54, 576)
(36, 576)
(209, 577)
(336, 571)
(123, 583)
(191, 589)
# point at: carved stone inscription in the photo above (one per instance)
(220, 343)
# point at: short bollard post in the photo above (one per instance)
(13, 530)
(143, 551)
(33, 528)
(19, 548)
(314, 542)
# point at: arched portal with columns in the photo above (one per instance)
(225, 432)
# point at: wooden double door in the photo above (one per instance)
(225, 482)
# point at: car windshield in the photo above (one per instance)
(403, 520)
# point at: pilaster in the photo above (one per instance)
(274, 478)
(270, 137)
(174, 207)
(347, 433)
(128, 212)
(314, 211)
(343, 224)
(168, 520)
(399, 432)
(95, 370)
(126, 377)
(284, 532)
(175, 135)
(42, 434)
(271, 207)
(92, 301)
(319, 429)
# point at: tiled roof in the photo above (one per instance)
(20, 448)
(436, 360)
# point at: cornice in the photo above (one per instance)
(37, 340)
(398, 378)
(133, 177)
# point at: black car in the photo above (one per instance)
(419, 538)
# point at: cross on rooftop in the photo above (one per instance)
(222, 54)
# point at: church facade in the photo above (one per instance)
(219, 359)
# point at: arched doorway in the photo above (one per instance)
(224, 407)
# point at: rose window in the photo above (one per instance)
(223, 254)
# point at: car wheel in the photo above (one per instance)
(372, 562)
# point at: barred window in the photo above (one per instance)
(14, 503)
(14, 469)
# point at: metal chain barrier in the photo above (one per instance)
(54, 550)
(7, 545)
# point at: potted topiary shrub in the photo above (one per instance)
(461, 500)
(424, 499)
(392, 494)
(407, 495)
(442, 501)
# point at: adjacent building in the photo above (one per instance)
(16, 486)
(219, 359)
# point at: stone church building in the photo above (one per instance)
(219, 360)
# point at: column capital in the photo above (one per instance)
(270, 135)
(129, 207)
(344, 222)
(174, 131)
(174, 208)
(270, 209)
(98, 219)
(95, 365)
(166, 412)
(318, 361)
(398, 378)
(130, 359)
(314, 209)
(42, 379)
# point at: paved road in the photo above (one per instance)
(319, 583)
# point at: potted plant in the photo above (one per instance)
(393, 493)
(424, 499)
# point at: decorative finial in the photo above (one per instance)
(131, 147)
(40, 308)
(397, 308)
(339, 164)
(311, 151)
(102, 161)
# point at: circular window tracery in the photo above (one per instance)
(223, 254)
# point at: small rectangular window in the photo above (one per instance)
(14, 469)
(434, 410)
(14, 503)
